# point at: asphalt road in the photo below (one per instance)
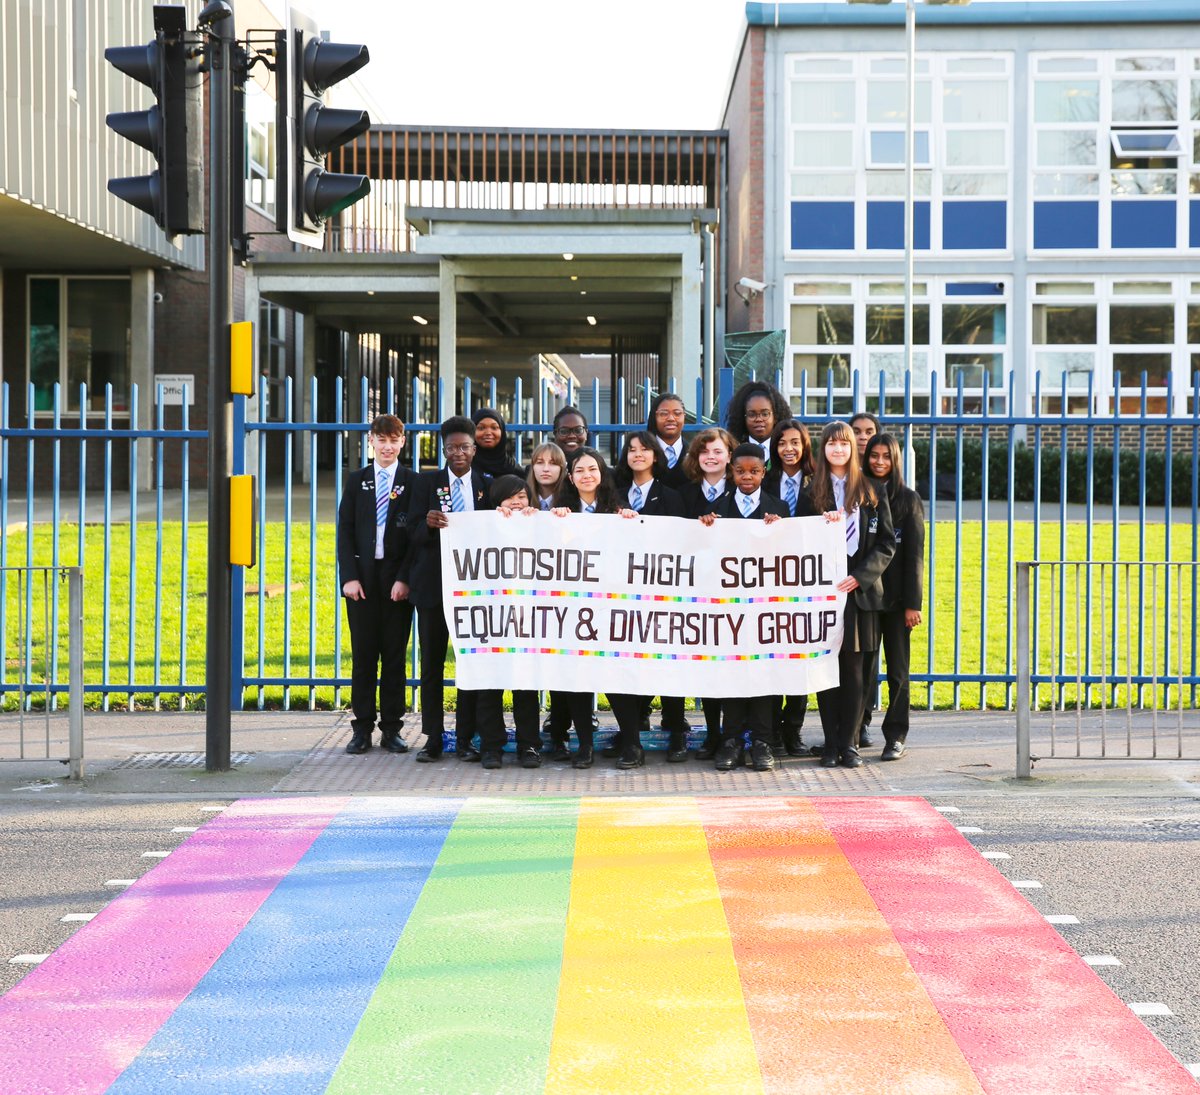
(1127, 867)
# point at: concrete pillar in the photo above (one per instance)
(447, 341)
(687, 365)
(141, 364)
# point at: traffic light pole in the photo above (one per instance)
(218, 666)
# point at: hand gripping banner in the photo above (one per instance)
(650, 606)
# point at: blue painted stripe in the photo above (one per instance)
(278, 1008)
(978, 14)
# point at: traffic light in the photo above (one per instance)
(307, 194)
(172, 130)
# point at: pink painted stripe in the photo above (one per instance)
(78, 1020)
(1029, 1015)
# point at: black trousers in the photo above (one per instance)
(628, 711)
(563, 711)
(753, 713)
(490, 714)
(897, 641)
(712, 719)
(435, 642)
(841, 708)
(787, 715)
(379, 633)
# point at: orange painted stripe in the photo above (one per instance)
(834, 1005)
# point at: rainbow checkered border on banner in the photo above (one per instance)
(597, 595)
(766, 656)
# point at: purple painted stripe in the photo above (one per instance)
(74, 1023)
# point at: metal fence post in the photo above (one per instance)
(75, 663)
(1024, 766)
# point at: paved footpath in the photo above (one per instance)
(574, 944)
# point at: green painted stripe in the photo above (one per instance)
(467, 1002)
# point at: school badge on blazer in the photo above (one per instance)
(873, 525)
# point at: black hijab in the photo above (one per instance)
(494, 462)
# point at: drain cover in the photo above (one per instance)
(175, 760)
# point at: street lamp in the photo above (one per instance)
(910, 156)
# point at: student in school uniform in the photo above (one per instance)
(570, 429)
(372, 538)
(707, 468)
(639, 476)
(547, 469)
(902, 586)
(791, 469)
(492, 457)
(841, 492)
(666, 420)
(510, 499)
(742, 714)
(589, 488)
(753, 412)
(865, 426)
(456, 488)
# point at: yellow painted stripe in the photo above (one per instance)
(649, 999)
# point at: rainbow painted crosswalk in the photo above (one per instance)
(375, 945)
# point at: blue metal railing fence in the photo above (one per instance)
(1136, 478)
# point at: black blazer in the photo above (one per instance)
(659, 501)
(695, 501)
(356, 528)
(876, 546)
(421, 568)
(726, 506)
(903, 581)
(772, 484)
(675, 477)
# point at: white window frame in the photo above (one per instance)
(1108, 140)
(932, 68)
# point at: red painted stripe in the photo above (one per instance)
(1029, 1015)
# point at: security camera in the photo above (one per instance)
(752, 285)
(158, 298)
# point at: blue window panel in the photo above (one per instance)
(974, 289)
(823, 226)
(975, 226)
(885, 226)
(1143, 224)
(1068, 225)
(1194, 232)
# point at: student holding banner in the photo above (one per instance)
(589, 488)
(641, 469)
(743, 714)
(791, 470)
(902, 586)
(457, 488)
(840, 490)
(707, 469)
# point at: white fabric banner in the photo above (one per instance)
(650, 606)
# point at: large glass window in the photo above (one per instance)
(260, 149)
(79, 334)
(1115, 126)
(847, 118)
(959, 338)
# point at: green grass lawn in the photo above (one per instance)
(301, 623)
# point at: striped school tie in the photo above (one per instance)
(635, 498)
(381, 500)
(745, 504)
(457, 505)
(672, 456)
(852, 532)
(789, 494)
(710, 491)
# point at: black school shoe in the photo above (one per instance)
(531, 758)
(761, 757)
(731, 755)
(491, 759)
(894, 750)
(359, 743)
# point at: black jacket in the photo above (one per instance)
(903, 581)
(772, 484)
(659, 501)
(695, 501)
(876, 546)
(727, 506)
(356, 529)
(421, 569)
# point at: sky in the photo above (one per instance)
(643, 64)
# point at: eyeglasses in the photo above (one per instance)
(571, 431)
(662, 412)
(450, 450)
(760, 414)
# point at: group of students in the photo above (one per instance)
(763, 466)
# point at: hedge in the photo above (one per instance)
(1183, 473)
